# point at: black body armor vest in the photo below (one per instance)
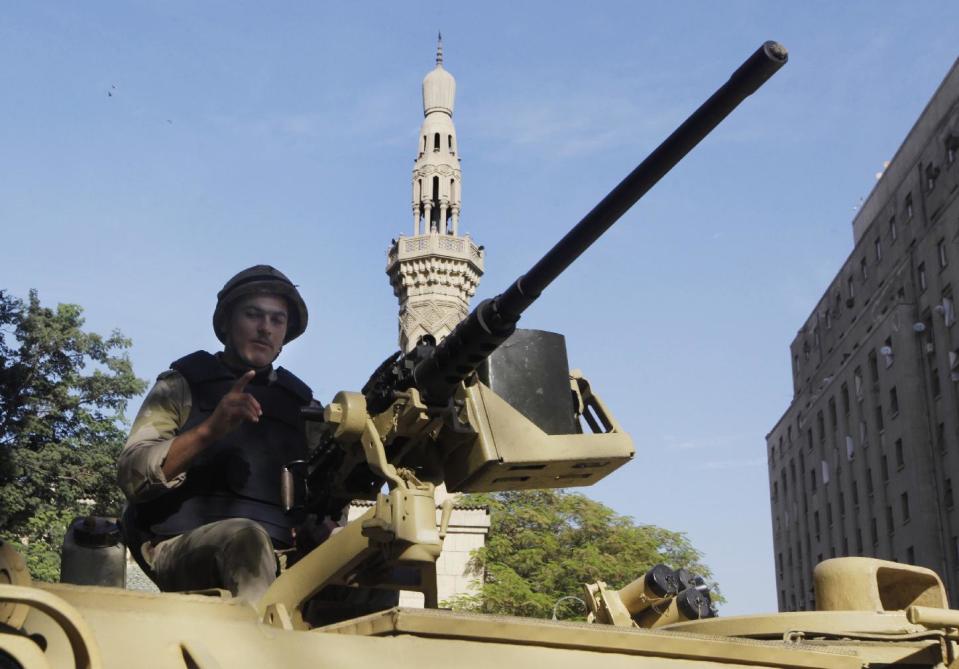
(239, 475)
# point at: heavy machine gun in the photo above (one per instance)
(434, 415)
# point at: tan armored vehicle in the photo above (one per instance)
(489, 408)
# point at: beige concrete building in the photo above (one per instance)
(866, 458)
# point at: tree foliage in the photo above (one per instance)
(63, 393)
(545, 544)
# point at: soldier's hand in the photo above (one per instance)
(235, 408)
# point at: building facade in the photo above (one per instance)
(866, 459)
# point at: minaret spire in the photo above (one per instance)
(435, 272)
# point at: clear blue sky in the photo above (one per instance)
(241, 133)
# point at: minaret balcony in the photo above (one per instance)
(433, 244)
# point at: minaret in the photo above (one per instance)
(435, 272)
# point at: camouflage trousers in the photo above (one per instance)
(234, 554)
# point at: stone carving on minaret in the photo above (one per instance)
(435, 272)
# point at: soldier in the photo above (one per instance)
(201, 467)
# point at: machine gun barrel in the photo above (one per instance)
(493, 320)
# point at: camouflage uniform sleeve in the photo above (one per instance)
(164, 411)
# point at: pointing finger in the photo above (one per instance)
(241, 382)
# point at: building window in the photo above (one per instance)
(821, 426)
(812, 479)
(857, 382)
(947, 307)
(941, 252)
(909, 206)
(880, 423)
(844, 394)
(850, 447)
(932, 173)
(952, 145)
(890, 525)
(884, 468)
(887, 353)
(842, 504)
(928, 332)
(825, 472)
(941, 436)
(868, 481)
(850, 290)
(894, 401)
(900, 458)
(829, 514)
(878, 246)
(859, 541)
(936, 385)
(873, 368)
(893, 233)
(874, 530)
(863, 433)
(863, 270)
(922, 277)
(845, 545)
(855, 494)
(904, 503)
(816, 524)
(948, 494)
(911, 555)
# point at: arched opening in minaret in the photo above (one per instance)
(435, 208)
(436, 142)
(450, 224)
(424, 144)
(449, 139)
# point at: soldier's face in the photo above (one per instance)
(257, 329)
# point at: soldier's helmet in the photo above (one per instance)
(258, 280)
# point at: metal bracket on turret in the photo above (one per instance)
(394, 545)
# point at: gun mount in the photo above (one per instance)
(425, 418)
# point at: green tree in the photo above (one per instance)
(63, 392)
(545, 544)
